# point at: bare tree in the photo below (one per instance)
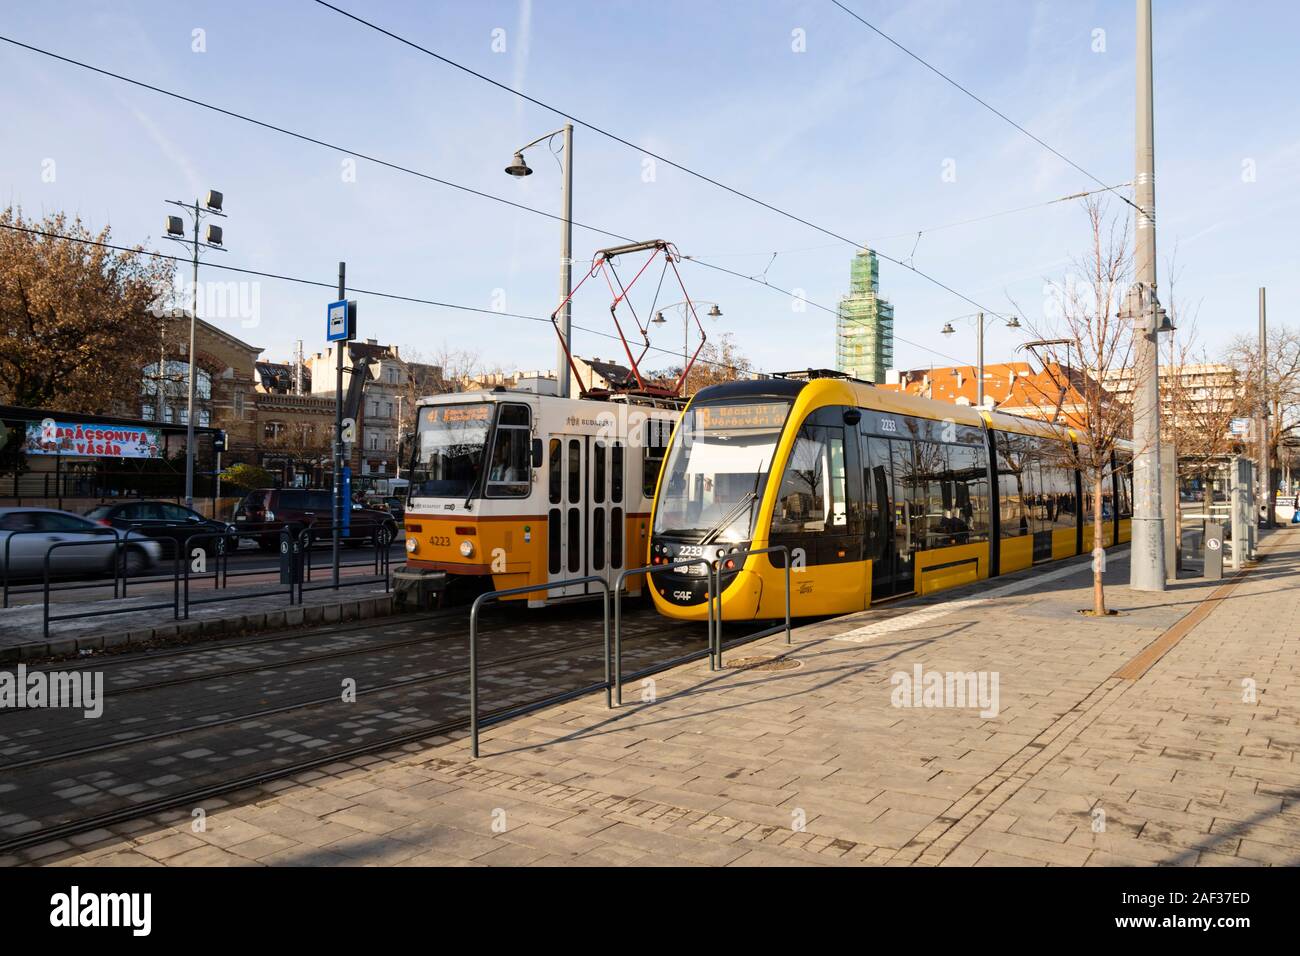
(1283, 393)
(719, 361)
(1088, 331)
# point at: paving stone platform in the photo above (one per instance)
(1098, 753)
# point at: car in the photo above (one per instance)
(171, 525)
(392, 504)
(264, 512)
(27, 533)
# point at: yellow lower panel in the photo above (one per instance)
(1063, 543)
(943, 568)
(1107, 536)
(1125, 529)
(814, 590)
(1016, 554)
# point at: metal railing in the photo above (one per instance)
(381, 564)
(648, 571)
(554, 698)
(119, 543)
(221, 573)
(715, 594)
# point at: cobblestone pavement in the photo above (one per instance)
(1165, 735)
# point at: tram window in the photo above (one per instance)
(951, 490)
(575, 541)
(616, 538)
(616, 474)
(598, 539)
(514, 415)
(598, 491)
(575, 471)
(1125, 484)
(1014, 466)
(553, 481)
(510, 468)
(553, 541)
(654, 445)
(801, 502)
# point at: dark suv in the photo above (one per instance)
(170, 524)
(264, 512)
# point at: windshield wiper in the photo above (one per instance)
(729, 517)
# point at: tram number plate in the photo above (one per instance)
(691, 552)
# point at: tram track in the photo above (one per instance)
(269, 665)
(520, 678)
(286, 708)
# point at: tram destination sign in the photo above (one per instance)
(765, 416)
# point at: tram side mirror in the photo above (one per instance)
(537, 453)
(852, 416)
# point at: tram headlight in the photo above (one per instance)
(411, 545)
(467, 549)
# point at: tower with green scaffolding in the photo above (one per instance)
(864, 326)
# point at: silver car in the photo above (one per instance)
(26, 535)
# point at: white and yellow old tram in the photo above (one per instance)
(513, 488)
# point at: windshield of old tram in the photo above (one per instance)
(449, 447)
(717, 469)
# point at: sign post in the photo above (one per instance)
(1213, 570)
(340, 328)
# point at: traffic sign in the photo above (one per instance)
(341, 321)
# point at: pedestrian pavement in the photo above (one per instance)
(1166, 734)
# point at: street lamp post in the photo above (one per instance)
(715, 312)
(519, 168)
(1147, 562)
(176, 231)
(1011, 323)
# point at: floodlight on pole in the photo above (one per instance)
(214, 240)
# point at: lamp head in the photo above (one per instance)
(175, 226)
(659, 319)
(518, 167)
(214, 200)
(715, 312)
(1013, 323)
(947, 329)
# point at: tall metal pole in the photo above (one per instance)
(1147, 563)
(1265, 471)
(979, 371)
(189, 406)
(336, 526)
(566, 269)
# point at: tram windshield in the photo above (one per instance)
(717, 469)
(449, 449)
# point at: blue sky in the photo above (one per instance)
(850, 134)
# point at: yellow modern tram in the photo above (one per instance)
(875, 494)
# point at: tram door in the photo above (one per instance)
(585, 511)
(890, 526)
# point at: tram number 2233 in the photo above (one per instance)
(888, 425)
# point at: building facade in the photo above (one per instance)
(864, 326)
